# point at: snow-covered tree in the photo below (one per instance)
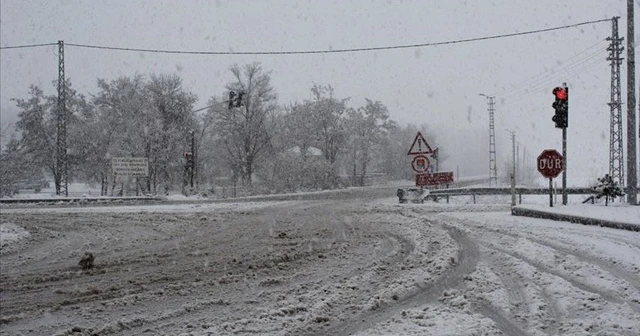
(313, 135)
(16, 168)
(170, 118)
(246, 131)
(368, 128)
(145, 118)
(37, 125)
(608, 188)
(328, 122)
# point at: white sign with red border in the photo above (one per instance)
(420, 163)
(420, 146)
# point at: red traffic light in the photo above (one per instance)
(560, 93)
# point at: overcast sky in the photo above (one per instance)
(438, 86)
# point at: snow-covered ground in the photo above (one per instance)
(11, 233)
(321, 267)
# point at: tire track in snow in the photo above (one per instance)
(467, 260)
(606, 295)
(583, 256)
(488, 234)
(395, 249)
(519, 298)
(505, 325)
(587, 258)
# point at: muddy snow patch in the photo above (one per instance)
(11, 233)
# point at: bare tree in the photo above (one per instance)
(246, 130)
(369, 127)
(328, 121)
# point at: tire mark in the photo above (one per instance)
(583, 256)
(467, 260)
(518, 297)
(606, 295)
(502, 323)
(551, 326)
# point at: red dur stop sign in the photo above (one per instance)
(550, 163)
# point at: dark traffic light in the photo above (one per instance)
(232, 99)
(235, 100)
(239, 99)
(561, 107)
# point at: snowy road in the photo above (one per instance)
(333, 267)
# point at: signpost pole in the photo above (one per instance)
(513, 171)
(551, 192)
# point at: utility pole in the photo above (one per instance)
(523, 167)
(517, 163)
(632, 163)
(513, 168)
(61, 178)
(616, 152)
(493, 170)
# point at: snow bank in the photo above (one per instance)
(614, 212)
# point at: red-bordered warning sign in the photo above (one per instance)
(419, 146)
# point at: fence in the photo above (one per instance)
(474, 192)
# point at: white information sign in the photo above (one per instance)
(130, 166)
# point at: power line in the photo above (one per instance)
(555, 75)
(563, 64)
(431, 44)
(30, 46)
(565, 74)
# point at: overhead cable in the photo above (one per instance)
(330, 51)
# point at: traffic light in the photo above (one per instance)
(232, 98)
(561, 107)
(239, 99)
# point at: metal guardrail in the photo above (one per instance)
(506, 191)
(480, 191)
(78, 199)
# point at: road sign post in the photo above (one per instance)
(550, 165)
(551, 192)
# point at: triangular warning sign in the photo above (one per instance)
(420, 146)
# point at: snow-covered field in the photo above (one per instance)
(325, 267)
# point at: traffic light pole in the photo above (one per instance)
(564, 165)
(193, 158)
